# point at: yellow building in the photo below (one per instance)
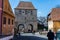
(7, 19)
(54, 19)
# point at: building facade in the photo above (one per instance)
(7, 19)
(54, 19)
(26, 17)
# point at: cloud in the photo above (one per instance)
(39, 14)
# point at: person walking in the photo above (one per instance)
(50, 35)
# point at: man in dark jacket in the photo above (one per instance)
(50, 35)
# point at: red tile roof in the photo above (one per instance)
(25, 5)
(55, 14)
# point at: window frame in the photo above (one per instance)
(4, 20)
(9, 21)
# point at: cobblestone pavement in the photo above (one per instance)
(28, 38)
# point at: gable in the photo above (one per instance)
(55, 14)
(6, 6)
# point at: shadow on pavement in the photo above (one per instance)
(27, 38)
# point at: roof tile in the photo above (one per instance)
(25, 5)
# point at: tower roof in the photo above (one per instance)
(25, 5)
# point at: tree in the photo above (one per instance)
(42, 23)
(42, 20)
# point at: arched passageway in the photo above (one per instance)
(30, 28)
(20, 28)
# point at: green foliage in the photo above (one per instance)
(41, 27)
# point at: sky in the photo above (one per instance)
(44, 7)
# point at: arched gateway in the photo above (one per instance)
(30, 27)
(20, 27)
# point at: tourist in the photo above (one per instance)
(50, 35)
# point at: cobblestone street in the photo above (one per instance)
(29, 38)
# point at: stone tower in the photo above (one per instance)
(26, 16)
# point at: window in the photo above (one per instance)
(26, 12)
(4, 20)
(23, 11)
(19, 11)
(31, 13)
(12, 22)
(8, 21)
